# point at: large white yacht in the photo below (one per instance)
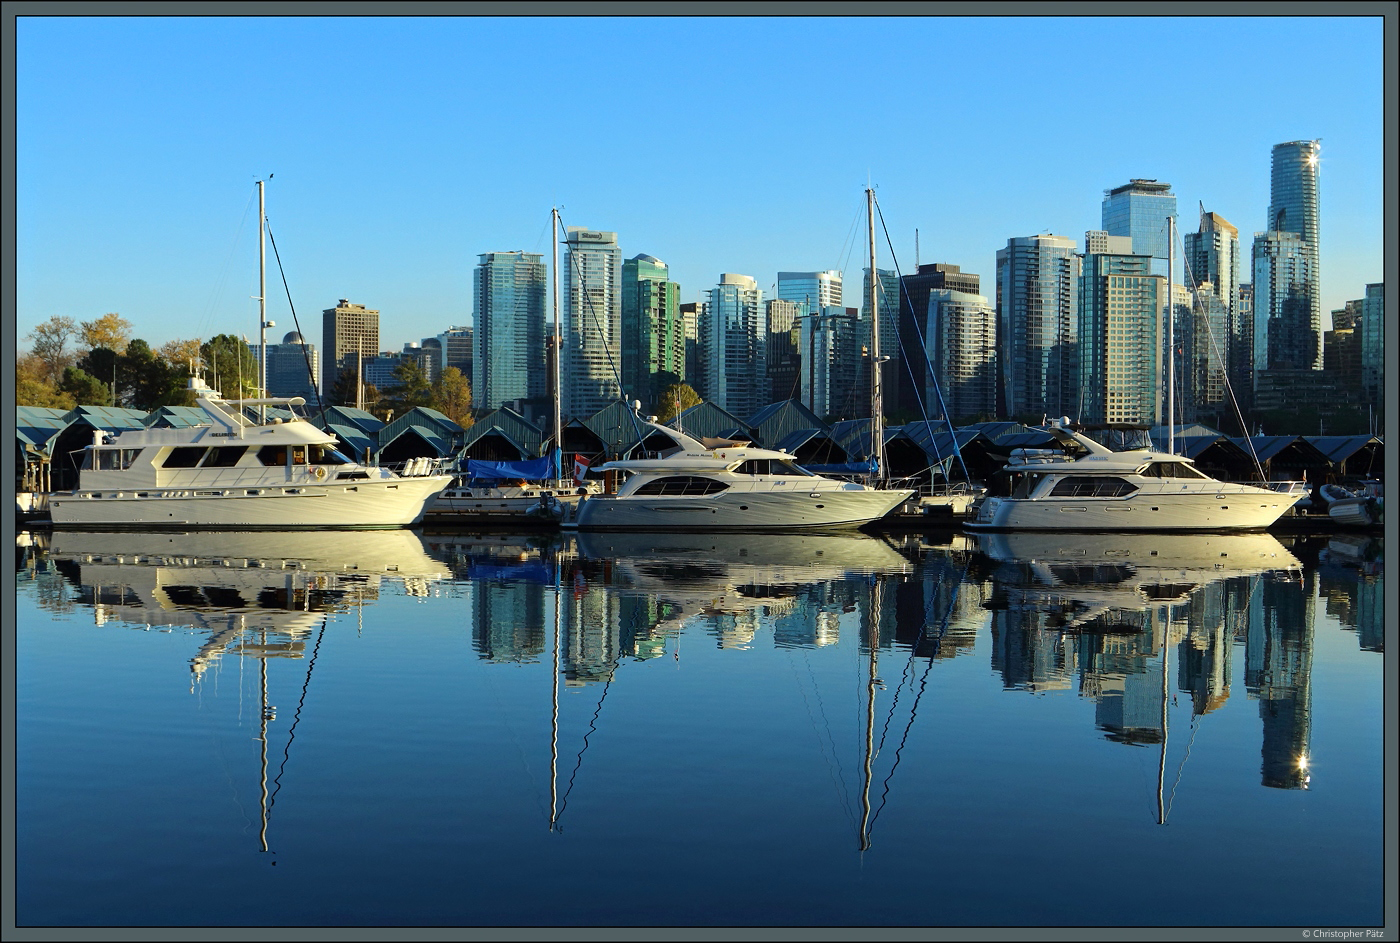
(694, 486)
(1090, 487)
(237, 472)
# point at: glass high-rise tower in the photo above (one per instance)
(508, 363)
(591, 312)
(1139, 210)
(1293, 208)
(653, 334)
(1038, 326)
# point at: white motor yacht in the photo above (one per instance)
(1090, 487)
(237, 472)
(730, 486)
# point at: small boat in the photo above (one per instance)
(1089, 487)
(522, 493)
(692, 486)
(239, 472)
(1359, 507)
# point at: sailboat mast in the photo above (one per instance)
(262, 300)
(1171, 341)
(558, 354)
(877, 431)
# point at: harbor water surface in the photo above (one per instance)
(407, 729)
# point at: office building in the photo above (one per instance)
(961, 334)
(892, 371)
(834, 383)
(815, 289)
(508, 363)
(1373, 341)
(1120, 334)
(914, 291)
(1038, 326)
(734, 335)
(292, 367)
(1139, 210)
(785, 348)
(349, 333)
(694, 351)
(1202, 338)
(591, 315)
(457, 350)
(653, 335)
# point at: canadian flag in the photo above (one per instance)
(580, 468)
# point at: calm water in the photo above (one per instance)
(404, 729)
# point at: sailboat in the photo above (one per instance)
(529, 492)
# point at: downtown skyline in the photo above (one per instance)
(403, 149)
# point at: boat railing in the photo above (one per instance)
(420, 467)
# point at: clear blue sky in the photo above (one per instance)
(403, 148)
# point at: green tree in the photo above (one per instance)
(412, 389)
(229, 366)
(85, 388)
(673, 394)
(51, 346)
(452, 396)
(343, 391)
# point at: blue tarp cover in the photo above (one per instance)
(535, 469)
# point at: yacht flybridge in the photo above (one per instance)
(1090, 487)
(728, 486)
(237, 472)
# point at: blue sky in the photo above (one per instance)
(404, 147)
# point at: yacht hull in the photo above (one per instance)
(1230, 508)
(782, 511)
(383, 503)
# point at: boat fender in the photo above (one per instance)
(319, 472)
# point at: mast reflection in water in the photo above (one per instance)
(501, 729)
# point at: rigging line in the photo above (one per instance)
(1171, 797)
(923, 346)
(904, 673)
(1220, 359)
(607, 348)
(838, 776)
(592, 726)
(223, 275)
(296, 717)
(305, 353)
(923, 681)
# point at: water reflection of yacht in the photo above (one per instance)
(231, 582)
(734, 572)
(1090, 576)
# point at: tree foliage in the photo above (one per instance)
(412, 389)
(452, 396)
(111, 331)
(676, 392)
(229, 366)
(343, 391)
(51, 346)
(32, 387)
(85, 388)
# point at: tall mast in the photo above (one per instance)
(1171, 341)
(558, 393)
(877, 421)
(262, 299)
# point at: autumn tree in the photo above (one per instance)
(452, 396)
(111, 331)
(676, 393)
(180, 353)
(51, 346)
(32, 386)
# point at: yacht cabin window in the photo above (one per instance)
(225, 457)
(769, 466)
(1170, 470)
(1092, 486)
(682, 484)
(184, 456)
(115, 459)
(273, 455)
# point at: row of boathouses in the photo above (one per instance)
(48, 441)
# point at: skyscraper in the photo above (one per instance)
(1212, 258)
(913, 312)
(1038, 326)
(892, 371)
(291, 365)
(734, 334)
(1139, 210)
(1286, 335)
(508, 363)
(653, 334)
(832, 382)
(591, 313)
(1293, 207)
(1373, 340)
(349, 333)
(784, 348)
(1120, 333)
